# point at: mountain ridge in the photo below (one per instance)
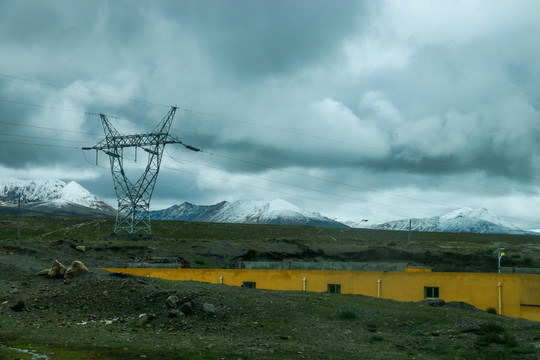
(464, 220)
(50, 197)
(275, 212)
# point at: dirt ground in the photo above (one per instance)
(100, 315)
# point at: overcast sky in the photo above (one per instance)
(375, 110)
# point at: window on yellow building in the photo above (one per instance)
(431, 292)
(334, 288)
(249, 284)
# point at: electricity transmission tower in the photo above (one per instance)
(134, 198)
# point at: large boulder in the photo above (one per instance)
(187, 308)
(175, 313)
(172, 302)
(76, 268)
(44, 272)
(209, 308)
(57, 270)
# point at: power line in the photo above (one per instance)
(298, 133)
(47, 128)
(291, 151)
(286, 171)
(386, 151)
(314, 190)
(323, 192)
(258, 187)
(350, 163)
(48, 107)
(296, 173)
(82, 90)
(234, 120)
(45, 138)
(46, 145)
(268, 189)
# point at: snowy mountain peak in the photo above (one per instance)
(48, 193)
(481, 214)
(277, 211)
(464, 220)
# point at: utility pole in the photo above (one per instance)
(409, 234)
(19, 218)
(134, 198)
(500, 254)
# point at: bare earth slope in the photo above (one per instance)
(104, 316)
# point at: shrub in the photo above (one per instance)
(199, 262)
(491, 310)
(490, 333)
(371, 327)
(375, 338)
(524, 350)
(510, 341)
(490, 328)
(391, 244)
(348, 315)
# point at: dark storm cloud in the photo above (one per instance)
(362, 99)
(252, 39)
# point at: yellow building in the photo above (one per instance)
(514, 295)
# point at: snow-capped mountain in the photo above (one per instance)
(465, 220)
(277, 212)
(358, 224)
(50, 196)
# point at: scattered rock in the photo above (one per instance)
(142, 320)
(186, 308)
(433, 302)
(80, 248)
(76, 268)
(172, 302)
(460, 305)
(57, 270)
(19, 306)
(43, 272)
(175, 313)
(209, 308)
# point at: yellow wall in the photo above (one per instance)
(519, 293)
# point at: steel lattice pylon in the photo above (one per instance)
(134, 199)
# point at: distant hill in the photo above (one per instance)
(276, 212)
(465, 220)
(50, 197)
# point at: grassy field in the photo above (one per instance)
(219, 245)
(98, 316)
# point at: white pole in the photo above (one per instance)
(304, 284)
(500, 297)
(378, 288)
